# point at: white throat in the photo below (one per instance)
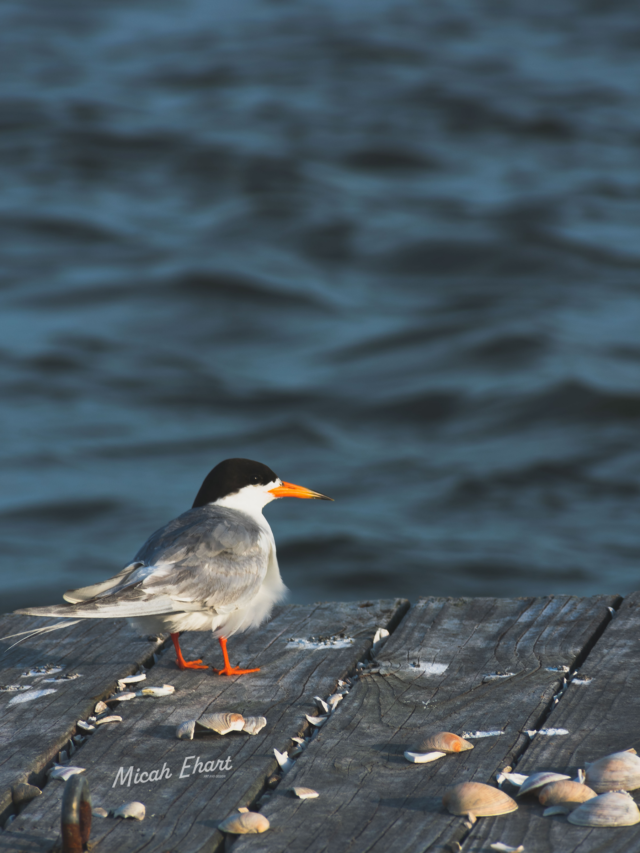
(250, 500)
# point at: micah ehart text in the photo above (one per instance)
(127, 776)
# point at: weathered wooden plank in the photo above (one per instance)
(601, 716)
(183, 812)
(371, 799)
(32, 733)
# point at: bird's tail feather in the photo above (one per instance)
(33, 632)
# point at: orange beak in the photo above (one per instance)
(289, 490)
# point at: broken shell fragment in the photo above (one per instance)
(423, 757)
(165, 690)
(615, 808)
(131, 679)
(62, 773)
(565, 793)
(23, 793)
(221, 723)
(245, 823)
(478, 800)
(334, 699)
(539, 780)
(120, 697)
(135, 811)
(283, 760)
(322, 705)
(114, 718)
(253, 725)
(619, 771)
(100, 707)
(184, 731)
(305, 793)
(316, 721)
(504, 848)
(85, 727)
(99, 812)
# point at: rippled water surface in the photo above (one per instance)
(388, 248)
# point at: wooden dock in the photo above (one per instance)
(502, 670)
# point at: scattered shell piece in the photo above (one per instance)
(122, 697)
(552, 732)
(494, 676)
(23, 793)
(423, 757)
(221, 722)
(131, 679)
(539, 780)
(446, 742)
(45, 669)
(516, 779)
(476, 799)
(583, 679)
(165, 690)
(305, 793)
(283, 760)
(253, 725)
(184, 731)
(565, 793)
(99, 812)
(70, 676)
(316, 721)
(30, 695)
(504, 848)
(100, 708)
(299, 740)
(334, 699)
(244, 823)
(560, 668)
(58, 771)
(615, 808)
(14, 688)
(476, 735)
(322, 704)
(619, 771)
(86, 727)
(341, 641)
(114, 718)
(379, 638)
(243, 809)
(133, 810)
(63, 757)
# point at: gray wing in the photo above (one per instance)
(209, 557)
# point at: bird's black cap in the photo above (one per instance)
(230, 476)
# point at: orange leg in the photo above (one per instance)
(228, 669)
(182, 663)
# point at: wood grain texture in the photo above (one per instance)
(601, 716)
(183, 813)
(32, 733)
(371, 799)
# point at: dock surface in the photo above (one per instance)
(536, 683)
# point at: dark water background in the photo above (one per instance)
(391, 249)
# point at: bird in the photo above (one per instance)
(212, 568)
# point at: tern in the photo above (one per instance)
(213, 568)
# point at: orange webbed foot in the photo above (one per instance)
(233, 670)
(191, 664)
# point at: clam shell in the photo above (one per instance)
(133, 810)
(610, 809)
(244, 823)
(423, 757)
(477, 799)
(619, 771)
(222, 723)
(165, 690)
(445, 742)
(565, 792)
(252, 725)
(539, 780)
(184, 731)
(305, 793)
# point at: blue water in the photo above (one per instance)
(388, 248)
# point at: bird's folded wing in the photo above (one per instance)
(126, 603)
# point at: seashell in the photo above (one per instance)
(245, 823)
(100, 707)
(283, 760)
(113, 719)
(619, 771)
(86, 727)
(539, 780)
(253, 725)
(445, 742)
(131, 679)
(615, 808)
(478, 800)
(121, 697)
(184, 731)
(515, 779)
(134, 810)
(305, 793)
(221, 722)
(423, 757)
(23, 793)
(99, 812)
(334, 699)
(165, 690)
(565, 793)
(58, 771)
(63, 757)
(504, 848)
(322, 705)
(316, 721)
